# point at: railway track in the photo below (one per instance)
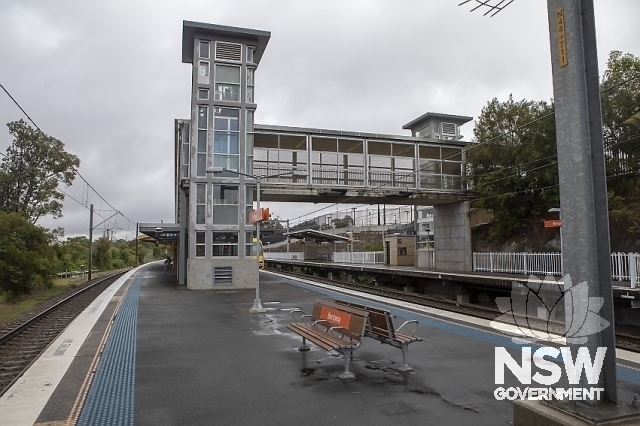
(22, 342)
(625, 341)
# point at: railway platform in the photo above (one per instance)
(417, 277)
(150, 353)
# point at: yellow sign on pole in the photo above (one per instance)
(562, 38)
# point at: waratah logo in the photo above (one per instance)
(533, 301)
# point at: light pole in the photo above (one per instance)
(257, 304)
(288, 255)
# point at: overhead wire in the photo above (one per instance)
(56, 149)
(471, 147)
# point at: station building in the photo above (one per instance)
(222, 156)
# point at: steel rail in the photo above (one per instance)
(624, 341)
(26, 325)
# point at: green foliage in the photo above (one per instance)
(621, 127)
(25, 251)
(308, 224)
(373, 247)
(71, 254)
(345, 222)
(30, 173)
(513, 168)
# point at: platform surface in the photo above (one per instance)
(180, 357)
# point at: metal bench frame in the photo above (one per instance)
(329, 335)
(380, 327)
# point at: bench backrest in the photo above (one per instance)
(380, 321)
(353, 320)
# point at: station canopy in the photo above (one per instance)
(161, 232)
(316, 235)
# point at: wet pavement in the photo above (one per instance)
(200, 358)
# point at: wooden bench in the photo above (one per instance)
(380, 327)
(331, 327)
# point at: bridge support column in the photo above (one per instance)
(452, 237)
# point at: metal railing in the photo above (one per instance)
(355, 177)
(624, 266)
(360, 257)
(518, 263)
(281, 255)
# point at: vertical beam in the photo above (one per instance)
(137, 231)
(183, 248)
(581, 166)
(90, 241)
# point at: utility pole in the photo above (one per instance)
(583, 183)
(90, 241)
(288, 256)
(137, 230)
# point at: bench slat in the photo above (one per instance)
(407, 338)
(380, 327)
(320, 337)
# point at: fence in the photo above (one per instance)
(281, 255)
(624, 266)
(518, 263)
(360, 257)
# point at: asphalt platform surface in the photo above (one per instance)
(181, 357)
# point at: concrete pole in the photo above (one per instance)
(288, 256)
(90, 241)
(137, 230)
(257, 304)
(583, 187)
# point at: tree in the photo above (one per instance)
(30, 173)
(513, 168)
(25, 253)
(307, 224)
(621, 110)
(71, 253)
(345, 222)
(621, 128)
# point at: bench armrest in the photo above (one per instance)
(302, 317)
(322, 322)
(335, 329)
(415, 326)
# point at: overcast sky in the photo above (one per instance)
(107, 78)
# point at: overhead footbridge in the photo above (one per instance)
(307, 165)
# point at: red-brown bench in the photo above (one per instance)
(331, 327)
(380, 327)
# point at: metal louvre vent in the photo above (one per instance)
(228, 51)
(448, 129)
(222, 275)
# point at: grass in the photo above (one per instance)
(11, 310)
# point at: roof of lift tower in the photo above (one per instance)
(190, 28)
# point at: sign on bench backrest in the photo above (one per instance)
(352, 320)
(335, 316)
(380, 322)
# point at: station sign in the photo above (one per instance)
(259, 215)
(553, 223)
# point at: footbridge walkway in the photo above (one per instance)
(355, 167)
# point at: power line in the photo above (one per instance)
(57, 150)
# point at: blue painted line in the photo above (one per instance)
(623, 373)
(110, 400)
